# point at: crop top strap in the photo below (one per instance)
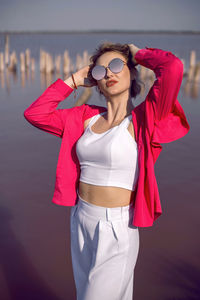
(126, 121)
(94, 119)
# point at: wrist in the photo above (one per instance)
(74, 84)
(77, 80)
(69, 82)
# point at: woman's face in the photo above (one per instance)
(123, 79)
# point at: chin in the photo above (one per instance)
(114, 92)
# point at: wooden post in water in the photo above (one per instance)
(85, 58)
(2, 80)
(13, 62)
(47, 64)
(7, 50)
(192, 58)
(72, 67)
(197, 73)
(66, 63)
(22, 68)
(57, 63)
(32, 68)
(42, 61)
(22, 62)
(1, 62)
(192, 65)
(79, 62)
(27, 58)
(32, 65)
(49, 69)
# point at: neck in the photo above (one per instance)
(118, 107)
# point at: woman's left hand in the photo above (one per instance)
(134, 49)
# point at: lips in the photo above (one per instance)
(110, 83)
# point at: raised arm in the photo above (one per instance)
(43, 112)
(168, 70)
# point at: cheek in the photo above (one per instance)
(127, 75)
(125, 80)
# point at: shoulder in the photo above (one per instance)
(139, 109)
(86, 109)
(91, 110)
(81, 113)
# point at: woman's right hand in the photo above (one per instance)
(81, 78)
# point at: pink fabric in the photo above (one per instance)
(158, 119)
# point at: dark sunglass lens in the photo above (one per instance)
(116, 65)
(98, 72)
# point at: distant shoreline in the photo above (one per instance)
(104, 32)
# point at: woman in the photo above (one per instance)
(105, 169)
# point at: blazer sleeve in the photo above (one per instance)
(166, 120)
(42, 113)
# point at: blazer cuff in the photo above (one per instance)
(62, 87)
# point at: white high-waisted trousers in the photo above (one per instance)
(104, 250)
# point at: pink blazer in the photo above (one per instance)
(158, 119)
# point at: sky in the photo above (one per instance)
(50, 15)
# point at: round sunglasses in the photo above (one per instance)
(115, 65)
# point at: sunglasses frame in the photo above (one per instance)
(108, 67)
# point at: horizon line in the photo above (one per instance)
(100, 31)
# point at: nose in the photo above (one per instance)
(108, 72)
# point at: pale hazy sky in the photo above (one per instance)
(103, 14)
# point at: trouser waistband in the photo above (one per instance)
(104, 213)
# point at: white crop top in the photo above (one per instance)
(109, 158)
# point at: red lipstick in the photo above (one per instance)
(111, 83)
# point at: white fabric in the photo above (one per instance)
(112, 156)
(104, 249)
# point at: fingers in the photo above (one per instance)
(85, 77)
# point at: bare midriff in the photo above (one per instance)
(106, 196)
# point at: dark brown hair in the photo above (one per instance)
(125, 51)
